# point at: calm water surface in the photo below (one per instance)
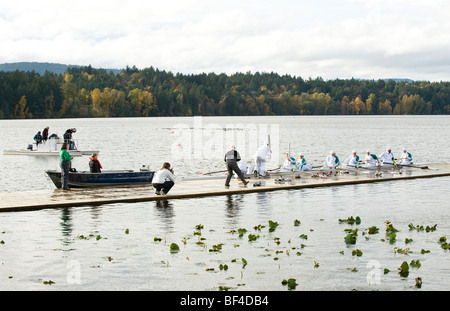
(84, 248)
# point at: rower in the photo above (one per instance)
(332, 161)
(303, 164)
(289, 164)
(387, 158)
(405, 158)
(260, 158)
(352, 160)
(370, 159)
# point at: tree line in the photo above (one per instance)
(89, 92)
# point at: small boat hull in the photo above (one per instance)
(85, 179)
(73, 153)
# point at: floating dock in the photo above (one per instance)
(213, 186)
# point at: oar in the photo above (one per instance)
(213, 172)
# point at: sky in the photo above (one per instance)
(363, 39)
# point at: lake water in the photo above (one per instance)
(113, 247)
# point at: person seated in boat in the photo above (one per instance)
(164, 179)
(303, 164)
(94, 163)
(38, 138)
(332, 161)
(352, 160)
(370, 160)
(405, 158)
(289, 165)
(387, 158)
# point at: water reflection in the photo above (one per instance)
(66, 226)
(165, 212)
(233, 205)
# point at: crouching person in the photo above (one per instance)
(163, 180)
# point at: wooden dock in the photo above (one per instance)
(32, 200)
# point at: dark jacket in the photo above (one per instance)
(95, 166)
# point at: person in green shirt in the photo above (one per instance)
(65, 163)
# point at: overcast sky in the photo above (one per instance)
(369, 39)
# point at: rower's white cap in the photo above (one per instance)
(404, 149)
(368, 150)
(233, 147)
(388, 148)
(302, 154)
(354, 151)
(332, 151)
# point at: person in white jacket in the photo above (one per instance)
(260, 158)
(405, 158)
(303, 164)
(352, 160)
(387, 158)
(332, 161)
(370, 159)
(164, 179)
(289, 164)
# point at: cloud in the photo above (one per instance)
(332, 39)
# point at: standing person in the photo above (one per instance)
(260, 158)
(352, 160)
(303, 164)
(387, 158)
(231, 159)
(405, 158)
(65, 162)
(164, 179)
(45, 134)
(94, 163)
(332, 161)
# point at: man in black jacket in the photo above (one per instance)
(231, 159)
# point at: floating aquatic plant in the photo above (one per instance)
(216, 248)
(272, 225)
(259, 227)
(389, 227)
(127, 231)
(252, 237)
(350, 238)
(303, 236)
(291, 283)
(372, 230)
(415, 263)
(407, 241)
(296, 222)
(241, 231)
(419, 282)
(357, 252)
(156, 239)
(404, 269)
(350, 220)
(174, 248)
(244, 262)
(49, 282)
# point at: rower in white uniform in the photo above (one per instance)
(352, 160)
(370, 159)
(303, 164)
(405, 158)
(387, 158)
(332, 161)
(260, 158)
(289, 165)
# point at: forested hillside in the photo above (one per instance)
(89, 92)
